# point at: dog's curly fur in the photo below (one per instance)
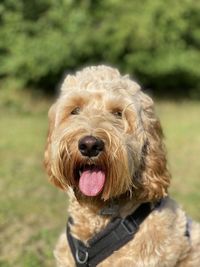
(98, 101)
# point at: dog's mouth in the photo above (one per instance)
(91, 179)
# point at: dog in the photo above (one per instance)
(105, 148)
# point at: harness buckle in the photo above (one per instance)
(81, 256)
(130, 226)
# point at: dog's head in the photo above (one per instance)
(104, 140)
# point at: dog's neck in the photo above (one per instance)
(90, 219)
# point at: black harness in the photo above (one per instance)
(117, 233)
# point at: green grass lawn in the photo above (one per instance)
(181, 124)
(33, 212)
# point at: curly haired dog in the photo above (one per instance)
(105, 147)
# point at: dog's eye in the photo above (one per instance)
(75, 111)
(117, 113)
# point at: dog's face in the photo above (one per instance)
(104, 140)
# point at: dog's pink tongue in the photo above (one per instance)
(91, 182)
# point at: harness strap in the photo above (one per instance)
(188, 227)
(116, 234)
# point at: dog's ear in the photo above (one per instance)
(155, 176)
(47, 154)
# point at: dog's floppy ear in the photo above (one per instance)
(155, 177)
(47, 154)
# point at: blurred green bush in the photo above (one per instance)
(156, 41)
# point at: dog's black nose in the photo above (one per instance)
(90, 146)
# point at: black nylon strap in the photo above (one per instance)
(116, 234)
(78, 249)
(188, 227)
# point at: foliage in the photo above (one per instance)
(156, 41)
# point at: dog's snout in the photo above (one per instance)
(90, 146)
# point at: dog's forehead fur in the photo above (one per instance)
(106, 82)
(102, 78)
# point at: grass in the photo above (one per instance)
(182, 127)
(33, 212)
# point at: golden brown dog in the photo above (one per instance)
(105, 147)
